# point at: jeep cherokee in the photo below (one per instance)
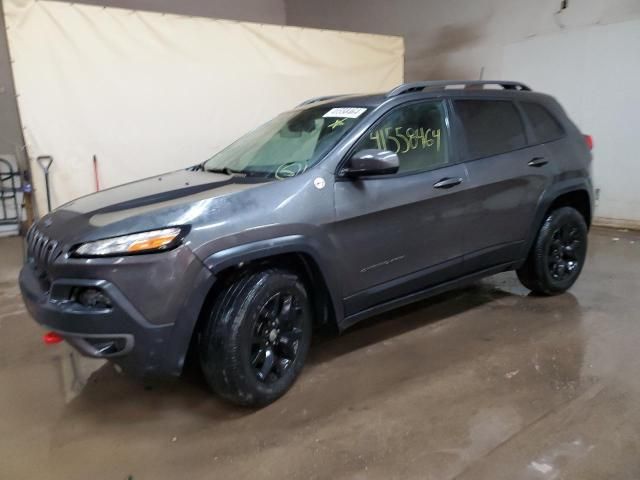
(337, 210)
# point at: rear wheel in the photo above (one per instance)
(558, 253)
(257, 337)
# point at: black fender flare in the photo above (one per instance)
(295, 244)
(546, 200)
(184, 326)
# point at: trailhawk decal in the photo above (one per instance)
(384, 263)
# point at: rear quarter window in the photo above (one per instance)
(491, 127)
(545, 127)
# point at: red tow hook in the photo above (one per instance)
(50, 338)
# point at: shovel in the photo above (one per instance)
(45, 162)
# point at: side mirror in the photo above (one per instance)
(371, 162)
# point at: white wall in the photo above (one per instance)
(594, 72)
(455, 38)
(587, 55)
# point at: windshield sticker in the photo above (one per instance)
(289, 169)
(345, 112)
(338, 123)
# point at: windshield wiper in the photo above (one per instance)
(225, 171)
(196, 168)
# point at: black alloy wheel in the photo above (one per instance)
(276, 336)
(565, 252)
(558, 253)
(256, 339)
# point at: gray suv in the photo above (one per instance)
(340, 209)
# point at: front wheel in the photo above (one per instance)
(558, 253)
(257, 337)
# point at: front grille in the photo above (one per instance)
(41, 250)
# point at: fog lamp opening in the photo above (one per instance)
(91, 297)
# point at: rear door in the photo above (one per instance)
(507, 173)
(401, 233)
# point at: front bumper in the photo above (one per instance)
(123, 333)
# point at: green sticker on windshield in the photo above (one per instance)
(338, 123)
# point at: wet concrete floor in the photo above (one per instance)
(485, 382)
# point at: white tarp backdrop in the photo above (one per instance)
(149, 93)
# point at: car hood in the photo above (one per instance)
(175, 198)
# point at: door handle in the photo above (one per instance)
(538, 162)
(447, 183)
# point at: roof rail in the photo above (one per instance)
(442, 84)
(320, 99)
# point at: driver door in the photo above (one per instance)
(407, 231)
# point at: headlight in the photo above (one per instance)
(143, 242)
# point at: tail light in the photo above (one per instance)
(588, 139)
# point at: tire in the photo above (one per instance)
(257, 337)
(557, 255)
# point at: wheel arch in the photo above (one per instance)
(576, 194)
(295, 253)
(578, 199)
(298, 261)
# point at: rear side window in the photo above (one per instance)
(491, 126)
(545, 127)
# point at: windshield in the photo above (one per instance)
(287, 145)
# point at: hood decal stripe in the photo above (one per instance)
(174, 194)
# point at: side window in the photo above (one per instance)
(416, 132)
(545, 127)
(491, 126)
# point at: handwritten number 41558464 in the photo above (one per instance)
(401, 140)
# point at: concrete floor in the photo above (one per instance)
(481, 383)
